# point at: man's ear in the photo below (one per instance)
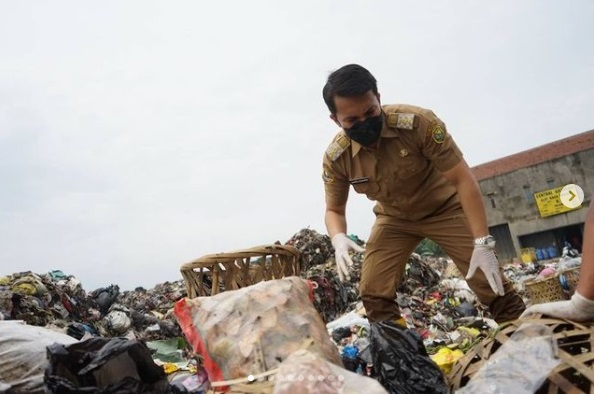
(335, 119)
(378, 99)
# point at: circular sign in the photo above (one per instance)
(571, 196)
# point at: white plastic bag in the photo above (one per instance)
(348, 320)
(23, 355)
(307, 373)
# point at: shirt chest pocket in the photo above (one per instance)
(369, 188)
(409, 166)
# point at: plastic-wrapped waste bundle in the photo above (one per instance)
(243, 331)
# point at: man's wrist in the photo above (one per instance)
(582, 302)
(339, 234)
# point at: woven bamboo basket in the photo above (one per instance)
(572, 276)
(544, 290)
(575, 349)
(215, 273)
(554, 288)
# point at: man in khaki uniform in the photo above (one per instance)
(403, 157)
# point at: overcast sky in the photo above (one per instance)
(138, 135)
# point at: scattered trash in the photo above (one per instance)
(434, 299)
(103, 365)
(446, 357)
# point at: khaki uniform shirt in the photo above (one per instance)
(403, 173)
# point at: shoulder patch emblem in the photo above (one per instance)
(392, 119)
(405, 121)
(437, 133)
(327, 175)
(337, 146)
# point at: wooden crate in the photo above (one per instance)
(214, 273)
(575, 349)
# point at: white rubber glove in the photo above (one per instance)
(579, 309)
(483, 257)
(342, 244)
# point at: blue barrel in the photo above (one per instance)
(545, 253)
(553, 252)
(539, 255)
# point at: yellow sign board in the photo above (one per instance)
(549, 203)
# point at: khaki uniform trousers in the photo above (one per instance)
(389, 247)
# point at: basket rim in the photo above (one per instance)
(537, 279)
(228, 257)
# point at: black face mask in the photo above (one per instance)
(366, 132)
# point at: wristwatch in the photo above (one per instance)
(487, 240)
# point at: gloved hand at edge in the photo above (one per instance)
(578, 308)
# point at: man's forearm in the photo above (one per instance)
(335, 223)
(472, 204)
(586, 281)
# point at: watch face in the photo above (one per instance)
(484, 240)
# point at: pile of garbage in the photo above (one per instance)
(433, 297)
(440, 310)
(59, 301)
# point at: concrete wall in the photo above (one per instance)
(509, 197)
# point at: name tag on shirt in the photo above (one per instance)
(357, 181)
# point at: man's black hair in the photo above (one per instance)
(348, 81)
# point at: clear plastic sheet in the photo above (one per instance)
(519, 366)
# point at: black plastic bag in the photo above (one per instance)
(104, 297)
(401, 362)
(105, 366)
